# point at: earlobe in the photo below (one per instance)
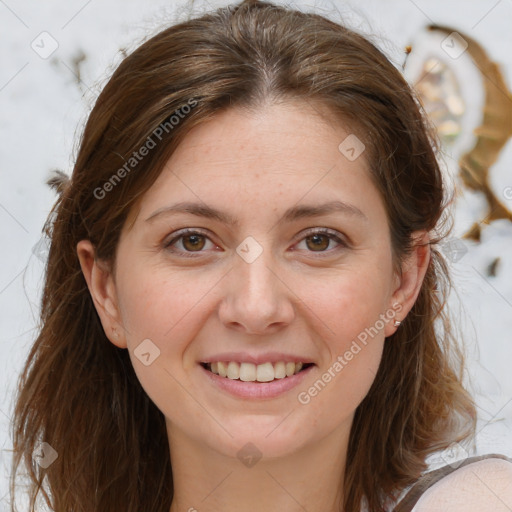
(410, 281)
(100, 282)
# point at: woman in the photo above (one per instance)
(243, 282)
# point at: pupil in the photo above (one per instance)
(319, 245)
(195, 239)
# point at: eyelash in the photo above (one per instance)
(331, 234)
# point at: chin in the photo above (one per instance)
(264, 437)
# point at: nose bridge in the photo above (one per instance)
(255, 270)
(257, 298)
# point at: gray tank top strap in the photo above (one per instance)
(429, 479)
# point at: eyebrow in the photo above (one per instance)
(292, 214)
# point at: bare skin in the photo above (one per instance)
(482, 486)
(302, 295)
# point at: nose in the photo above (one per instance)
(257, 299)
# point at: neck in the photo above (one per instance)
(206, 480)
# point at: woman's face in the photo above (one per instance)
(253, 283)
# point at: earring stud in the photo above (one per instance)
(397, 323)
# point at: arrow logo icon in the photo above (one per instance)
(249, 455)
(249, 249)
(146, 352)
(454, 45)
(44, 45)
(351, 147)
(45, 455)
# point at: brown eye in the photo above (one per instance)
(193, 242)
(318, 242)
(187, 243)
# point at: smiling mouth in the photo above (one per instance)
(249, 372)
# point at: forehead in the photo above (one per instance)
(291, 139)
(283, 131)
(281, 153)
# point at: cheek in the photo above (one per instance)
(339, 386)
(162, 306)
(352, 317)
(169, 310)
(348, 303)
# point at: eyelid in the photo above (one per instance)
(342, 240)
(324, 231)
(332, 234)
(184, 232)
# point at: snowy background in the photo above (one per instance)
(55, 57)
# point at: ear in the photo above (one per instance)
(408, 284)
(100, 282)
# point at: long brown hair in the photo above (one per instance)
(79, 392)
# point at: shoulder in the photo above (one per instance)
(484, 486)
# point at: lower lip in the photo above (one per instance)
(260, 390)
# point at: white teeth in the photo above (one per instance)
(265, 372)
(233, 370)
(249, 372)
(222, 369)
(290, 369)
(279, 370)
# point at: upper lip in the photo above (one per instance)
(267, 357)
